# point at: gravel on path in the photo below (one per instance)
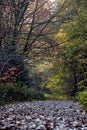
(43, 115)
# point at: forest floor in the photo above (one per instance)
(43, 115)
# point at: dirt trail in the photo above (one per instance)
(43, 115)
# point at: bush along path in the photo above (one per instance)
(43, 115)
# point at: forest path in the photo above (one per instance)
(43, 115)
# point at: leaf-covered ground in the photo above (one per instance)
(43, 115)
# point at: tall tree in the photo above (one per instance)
(22, 24)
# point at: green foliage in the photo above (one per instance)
(19, 92)
(83, 98)
(81, 85)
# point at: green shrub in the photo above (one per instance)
(19, 92)
(83, 98)
(12, 93)
(35, 95)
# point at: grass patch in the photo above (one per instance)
(55, 96)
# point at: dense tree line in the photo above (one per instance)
(70, 69)
(33, 33)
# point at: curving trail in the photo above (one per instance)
(43, 115)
